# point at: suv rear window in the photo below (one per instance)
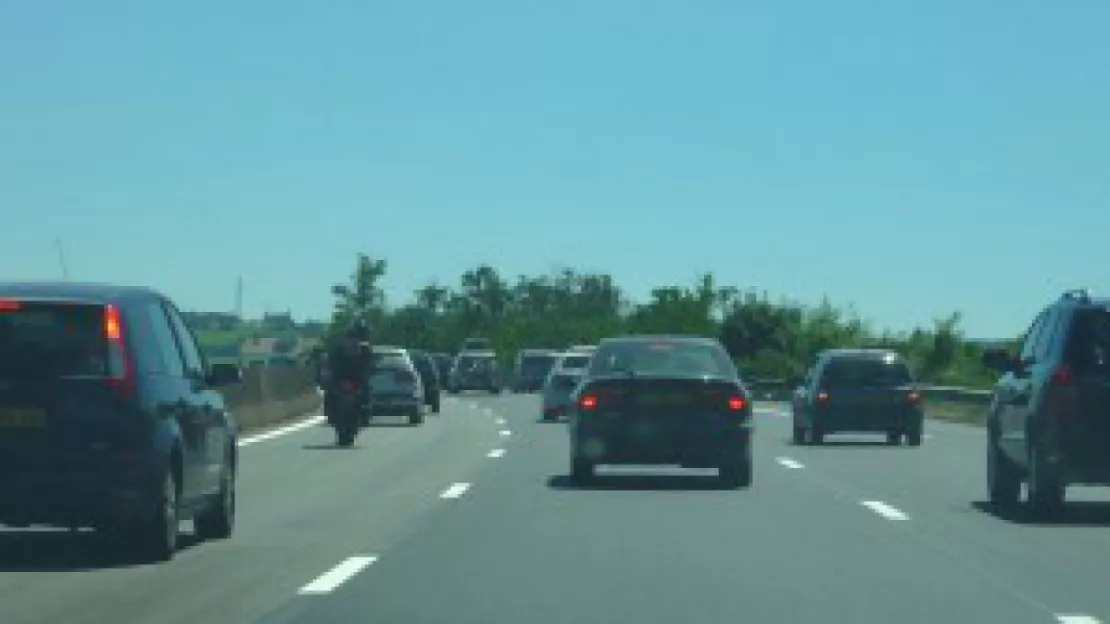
(470, 362)
(866, 371)
(575, 361)
(52, 340)
(662, 358)
(537, 364)
(1089, 343)
(390, 360)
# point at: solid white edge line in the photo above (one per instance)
(328, 581)
(884, 510)
(455, 490)
(269, 435)
(495, 453)
(1076, 619)
(789, 463)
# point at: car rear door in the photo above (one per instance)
(1085, 417)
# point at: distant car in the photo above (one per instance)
(110, 416)
(475, 370)
(662, 400)
(858, 391)
(443, 366)
(429, 377)
(1048, 423)
(531, 369)
(560, 383)
(395, 386)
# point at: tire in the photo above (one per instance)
(913, 438)
(815, 437)
(737, 473)
(1003, 479)
(581, 471)
(495, 390)
(416, 416)
(218, 521)
(435, 405)
(1045, 491)
(344, 436)
(893, 438)
(799, 435)
(158, 528)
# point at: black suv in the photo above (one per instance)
(475, 370)
(1049, 418)
(109, 416)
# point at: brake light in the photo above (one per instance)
(914, 398)
(1063, 376)
(588, 402)
(9, 305)
(736, 403)
(822, 397)
(349, 387)
(121, 367)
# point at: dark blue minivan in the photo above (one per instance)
(110, 418)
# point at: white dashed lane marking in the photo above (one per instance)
(455, 490)
(789, 463)
(884, 510)
(495, 453)
(328, 581)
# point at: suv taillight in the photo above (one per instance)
(120, 366)
(736, 403)
(588, 403)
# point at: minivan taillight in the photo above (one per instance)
(121, 368)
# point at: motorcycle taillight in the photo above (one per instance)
(349, 387)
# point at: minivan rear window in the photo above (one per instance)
(52, 340)
(867, 371)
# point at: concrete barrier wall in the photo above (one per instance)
(268, 396)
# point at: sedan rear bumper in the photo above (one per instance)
(704, 446)
(69, 500)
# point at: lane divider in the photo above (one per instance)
(884, 510)
(495, 453)
(505, 432)
(333, 578)
(789, 463)
(455, 490)
(1076, 619)
(269, 435)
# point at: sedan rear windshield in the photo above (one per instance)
(870, 371)
(663, 358)
(537, 364)
(475, 363)
(390, 360)
(575, 361)
(52, 340)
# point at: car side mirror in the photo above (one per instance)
(224, 374)
(1000, 360)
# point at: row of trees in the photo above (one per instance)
(770, 339)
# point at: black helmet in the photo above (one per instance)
(359, 330)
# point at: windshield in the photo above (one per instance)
(662, 358)
(475, 363)
(390, 360)
(575, 361)
(848, 371)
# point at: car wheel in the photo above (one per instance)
(158, 530)
(1003, 479)
(815, 437)
(581, 470)
(1045, 491)
(913, 438)
(217, 522)
(737, 473)
(799, 435)
(416, 416)
(893, 438)
(435, 405)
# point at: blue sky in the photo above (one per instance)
(909, 158)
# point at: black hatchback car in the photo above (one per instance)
(1049, 419)
(858, 391)
(662, 400)
(109, 416)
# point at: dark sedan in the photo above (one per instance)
(662, 400)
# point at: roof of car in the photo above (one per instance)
(478, 353)
(389, 349)
(538, 351)
(636, 338)
(83, 291)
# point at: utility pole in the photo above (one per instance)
(239, 297)
(61, 257)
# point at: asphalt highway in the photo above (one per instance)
(471, 518)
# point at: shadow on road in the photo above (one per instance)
(65, 551)
(330, 447)
(1073, 513)
(834, 443)
(543, 421)
(647, 483)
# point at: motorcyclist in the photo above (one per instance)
(351, 360)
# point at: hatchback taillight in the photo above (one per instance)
(588, 403)
(736, 403)
(120, 365)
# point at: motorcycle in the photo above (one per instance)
(348, 415)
